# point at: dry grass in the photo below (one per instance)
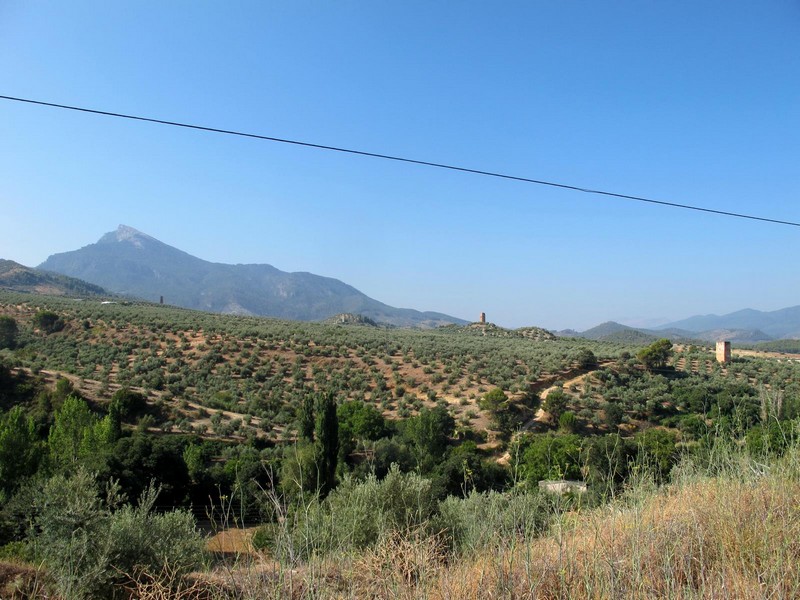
(22, 582)
(715, 538)
(733, 537)
(736, 536)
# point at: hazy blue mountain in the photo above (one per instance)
(129, 262)
(733, 335)
(17, 277)
(611, 331)
(674, 333)
(777, 323)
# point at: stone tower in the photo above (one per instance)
(723, 352)
(483, 318)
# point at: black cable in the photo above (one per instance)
(405, 160)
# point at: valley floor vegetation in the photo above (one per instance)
(377, 462)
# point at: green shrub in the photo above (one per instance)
(568, 421)
(143, 539)
(14, 551)
(90, 541)
(482, 519)
(357, 515)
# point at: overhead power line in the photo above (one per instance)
(402, 159)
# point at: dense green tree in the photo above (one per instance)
(326, 443)
(129, 404)
(464, 470)
(358, 421)
(387, 452)
(586, 359)
(245, 477)
(15, 387)
(657, 451)
(361, 420)
(607, 461)
(19, 449)
(114, 422)
(428, 435)
(299, 474)
(693, 426)
(656, 355)
(737, 407)
(556, 403)
(550, 456)
(138, 460)
(8, 332)
(196, 459)
(494, 401)
(307, 420)
(505, 416)
(48, 321)
(79, 435)
(771, 438)
(613, 413)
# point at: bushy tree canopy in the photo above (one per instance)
(656, 355)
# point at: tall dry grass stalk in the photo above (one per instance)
(732, 536)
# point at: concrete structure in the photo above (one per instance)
(563, 486)
(723, 352)
(483, 318)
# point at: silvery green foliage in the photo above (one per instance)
(89, 541)
(358, 514)
(70, 534)
(485, 518)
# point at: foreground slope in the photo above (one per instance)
(129, 262)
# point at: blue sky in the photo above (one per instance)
(688, 101)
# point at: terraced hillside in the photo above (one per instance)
(261, 367)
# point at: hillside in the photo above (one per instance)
(495, 331)
(447, 431)
(132, 263)
(14, 276)
(350, 319)
(611, 331)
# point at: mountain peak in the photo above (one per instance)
(127, 261)
(125, 233)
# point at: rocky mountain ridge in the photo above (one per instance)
(129, 262)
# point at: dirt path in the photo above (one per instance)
(541, 417)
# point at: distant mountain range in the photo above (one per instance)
(776, 324)
(14, 276)
(129, 262)
(710, 328)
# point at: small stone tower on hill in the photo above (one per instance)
(482, 318)
(723, 352)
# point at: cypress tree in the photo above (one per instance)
(327, 442)
(307, 418)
